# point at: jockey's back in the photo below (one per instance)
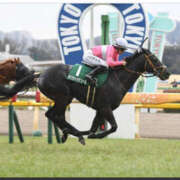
(105, 52)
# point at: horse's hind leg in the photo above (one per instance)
(108, 115)
(57, 115)
(51, 115)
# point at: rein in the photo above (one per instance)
(144, 74)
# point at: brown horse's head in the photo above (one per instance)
(11, 70)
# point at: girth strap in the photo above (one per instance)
(91, 91)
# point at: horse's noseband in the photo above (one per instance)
(157, 70)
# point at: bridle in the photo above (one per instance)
(145, 74)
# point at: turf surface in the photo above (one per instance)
(99, 158)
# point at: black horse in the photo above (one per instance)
(54, 84)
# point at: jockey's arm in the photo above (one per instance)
(112, 63)
(112, 59)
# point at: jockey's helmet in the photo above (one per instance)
(120, 43)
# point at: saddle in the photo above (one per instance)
(79, 71)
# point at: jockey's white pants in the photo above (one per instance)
(91, 60)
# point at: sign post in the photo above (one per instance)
(160, 26)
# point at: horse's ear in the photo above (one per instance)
(143, 50)
(18, 60)
(12, 60)
(146, 51)
(144, 42)
(140, 48)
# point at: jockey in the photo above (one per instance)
(101, 57)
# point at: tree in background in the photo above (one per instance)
(41, 50)
(39, 54)
(171, 58)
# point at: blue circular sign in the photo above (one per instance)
(70, 40)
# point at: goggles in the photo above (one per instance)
(120, 48)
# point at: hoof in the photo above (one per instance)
(82, 141)
(96, 136)
(85, 132)
(64, 138)
(92, 136)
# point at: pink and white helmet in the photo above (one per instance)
(120, 43)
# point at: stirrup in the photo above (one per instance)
(91, 80)
(88, 77)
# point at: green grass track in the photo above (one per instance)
(98, 158)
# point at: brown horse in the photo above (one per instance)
(14, 70)
(8, 70)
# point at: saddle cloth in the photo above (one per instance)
(79, 71)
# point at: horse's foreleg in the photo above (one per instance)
(108, 115)
(94, 126)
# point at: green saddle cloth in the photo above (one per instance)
(79, 71)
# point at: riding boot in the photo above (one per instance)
(90, 76)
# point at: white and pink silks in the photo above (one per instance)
(105, 55)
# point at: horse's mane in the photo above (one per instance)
(136, 54)
(13, 60)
